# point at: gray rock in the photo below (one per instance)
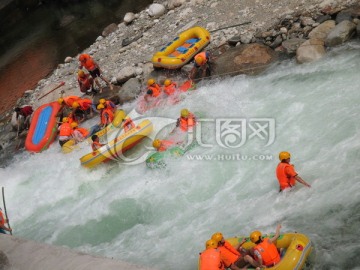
(175, 3)
(68, 59)
(109, 29)
(156, 10)
(341, 33)
(130, 90)
(323, 30)
(311, 50)
(234, 40)
(125, 74)
(129, 17)
(323, 18)
(344, 15)
(291, 45)
(276, 42)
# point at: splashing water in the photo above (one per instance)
(161, 218)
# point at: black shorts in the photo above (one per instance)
(95, 73)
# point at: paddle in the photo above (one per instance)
(3, 195)
(52, 90)
(226, 27)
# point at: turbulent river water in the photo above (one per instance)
(161, 218)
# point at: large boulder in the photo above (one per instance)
(341, 33)
(311, 50)
(130, 90)
(323, 30)
(156, 10)
(125, 74)
(244, 59)
(109, 29)
(291, 45)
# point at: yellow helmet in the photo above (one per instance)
(217, 237)
(284, 155)
(60, 101)
(102, 100)
(211, 243)
(100, 106)
(167, 82)
(184, 113)
(81, 73)
(150, 81)
(73, 124)
(65, 120)
(255, 236)
(75, 104)
(199, 59)
(156, 143)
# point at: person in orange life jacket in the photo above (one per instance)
(162, 145)
(169, 87)
(286, 174)
(88, 62)
(266, 253)
(202, 66)
(106, 115)
(231, 257)
(108, 104)
(96, 144)
(210, 257)
(3, 221)
(153, 90)
(66, 105)
(128, 124)
(83, 108)
(65, 131)
(26, 113)
(79, 133)
(186, 121)
(86, 83)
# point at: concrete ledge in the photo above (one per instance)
(29, 255)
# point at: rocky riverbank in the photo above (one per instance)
(288, 28)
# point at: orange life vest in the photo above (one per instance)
(203, 56)
(83, 131)
(170, 89)
(89, 63)
(185, 123)
(156, 90)
(165, 145)
(285, 181)
(70, 100)
(228, 254)
(269, 253)
(85, 81)
(96, 145)
(65, 129)
(110, 105)
(85, 104)
(2, 219)
(210, 260)
(107, 116)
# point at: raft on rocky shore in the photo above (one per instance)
(182, 49)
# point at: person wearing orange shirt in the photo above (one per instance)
(169, 87)
(231, 257)
(96, 142)
(3, 221)
(265, 252)
(153, 90)
(210, 257)
(186, 121)
(65, 131)
(88, 62)
(162, 145)
(79, 133)
(201, 67)
(86, 83)
(286, 174)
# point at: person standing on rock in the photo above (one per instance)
(201, 67)
(88, 62)
(3, 220)
(26, 113)
(86, 83)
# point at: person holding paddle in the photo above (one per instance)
(4, 221)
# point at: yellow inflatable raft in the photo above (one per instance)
(182, 49)
(117, 146)
(119, 116)
(297, 249)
